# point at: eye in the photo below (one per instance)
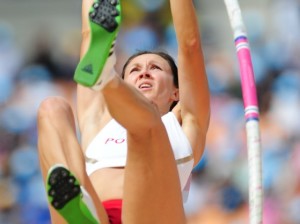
(134, 69)
(155, 67)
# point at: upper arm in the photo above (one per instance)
(194, 91)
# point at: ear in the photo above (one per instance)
(175, 95)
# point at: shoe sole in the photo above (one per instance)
(104, 22)
(64, 194)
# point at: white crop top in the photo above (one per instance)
(109, 148)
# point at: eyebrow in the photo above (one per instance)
(134, 65)
(150, 62)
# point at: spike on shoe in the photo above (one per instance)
(65, 195)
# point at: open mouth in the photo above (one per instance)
(145, 86)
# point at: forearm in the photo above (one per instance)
(185, 24)
(191, 67)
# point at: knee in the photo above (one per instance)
(53, 107)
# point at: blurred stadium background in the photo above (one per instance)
(39, 50)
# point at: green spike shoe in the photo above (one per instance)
(65, 195)
(99, 60)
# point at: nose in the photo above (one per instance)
(144, 74)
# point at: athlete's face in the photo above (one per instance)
(152, 76)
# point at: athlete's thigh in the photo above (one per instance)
(151, 189)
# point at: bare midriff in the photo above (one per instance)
(108, 183)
